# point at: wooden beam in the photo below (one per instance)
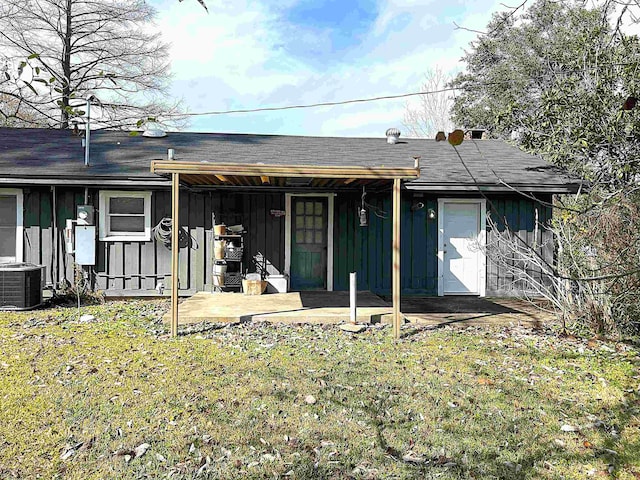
(222, 178)
(322, 182)
(175, 270)
(395, 275)
(300, 171)
(349, 180)
(265, 180)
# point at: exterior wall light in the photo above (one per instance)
(431, 213)
(362, 215)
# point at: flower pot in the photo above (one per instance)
(253, 287)
(219, 268)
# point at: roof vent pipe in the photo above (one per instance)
(87, 132)
(393, 134)
(153, 130)
(170, 153)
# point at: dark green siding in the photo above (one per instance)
(354, 246)
(367, 250)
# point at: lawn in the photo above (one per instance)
(115, 397)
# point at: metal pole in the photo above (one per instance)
(395, 275)
(175, 200)
(353, 296)
(87, 133)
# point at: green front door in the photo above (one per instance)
(309, 243)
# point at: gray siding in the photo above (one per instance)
(519, 214)
(134, 268)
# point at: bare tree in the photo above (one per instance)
(432, 111)
(201, 2)
(594, 282)
(75, 48)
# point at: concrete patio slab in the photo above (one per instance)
(333, 307)
(293, 307)
(468, 311)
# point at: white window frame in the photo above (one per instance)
(104, 227)
(19, 220)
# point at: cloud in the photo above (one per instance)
(251, 54)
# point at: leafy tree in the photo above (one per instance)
(57, 52)
(556, 79)
(561, 80)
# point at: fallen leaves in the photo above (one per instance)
(78, 447)
(141, 449)
(293, 397)
(130, 454)
(569, 428)
(485, 381)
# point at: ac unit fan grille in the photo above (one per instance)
(20, 289)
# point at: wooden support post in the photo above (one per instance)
(395, 259)
(175, 270)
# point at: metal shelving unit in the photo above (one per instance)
(232, 257)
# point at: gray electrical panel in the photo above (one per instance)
(85, 245)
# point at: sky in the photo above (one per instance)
(250, 54)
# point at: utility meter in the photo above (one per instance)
(85, 215)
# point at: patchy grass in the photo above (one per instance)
(262, 401)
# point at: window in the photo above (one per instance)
(11, 228)
(125, 215)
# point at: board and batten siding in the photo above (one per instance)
(367, 250)
(520, 214)
(136, 267)
(44, 244)
(126, 267)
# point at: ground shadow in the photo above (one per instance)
(452, 304)
(324, 299)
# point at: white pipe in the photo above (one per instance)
(87, 133)
(353, 296)
(55, 271)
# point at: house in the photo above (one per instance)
(307, 227)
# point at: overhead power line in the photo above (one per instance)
(312, 105)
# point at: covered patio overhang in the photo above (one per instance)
(204, 174)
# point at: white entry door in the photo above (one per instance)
(462, 259)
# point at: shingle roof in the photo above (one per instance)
(58, 156)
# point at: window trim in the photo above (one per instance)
(19, 220)
(103, 216)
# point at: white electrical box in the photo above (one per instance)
(85, 245)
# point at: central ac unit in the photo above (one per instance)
(21, 286)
